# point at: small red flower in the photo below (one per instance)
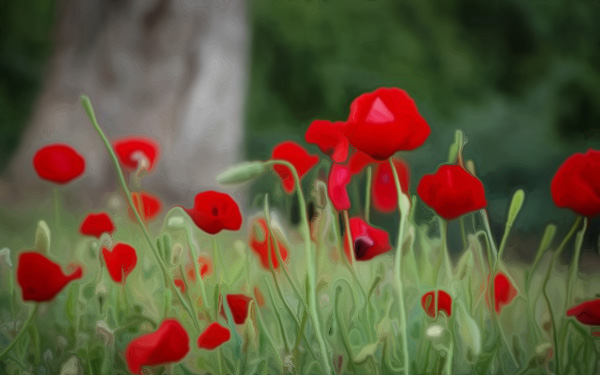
(132, 150)
(169, 343)
(120, 261)
(368, 241)
(259, 243)
(452, 191)
(444, 303)
(238, 304)
(504, 291)
(587, 312)
(213, 336)
(151, 205)
(214, 211)
(330, 138)
(358, 161)
(204, 266)
(58, 163)
(40, 278)
(179, 283)
(385, 121)
(96, 224)
(576, 184)
(339, 177)
(385, 197)
(295, 155)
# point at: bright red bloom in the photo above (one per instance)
(295, 155)
(339, 177)
(120, 261)
(385, 121)
(358, 161)
(214, 211)
(385, 197)
(40, 278)
(169, 343)
(58, 163)
(132, 150)
(452, 191)
(576, 184)
(504, 291)
(330, 138)
(587, 312)
(150, 204)
(444, 303)
(96, 224)
(368, 241)
(260, 240)
(213, 336)
(238, 304)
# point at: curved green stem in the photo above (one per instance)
(21, 332)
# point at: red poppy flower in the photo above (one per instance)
(330, 138)
(504, 291)
(452, 191)
(587, 312)
(576, 184)
(368, 241)
(385, 121)
(259, 243)
(179, 283)
(385, 197)
(213, 336)
(295, 155)
(358, 161)
(96, 224)
(169, 343)
(151, 205)
(339, 177)
(58, 163)
(238, 304)
(444, 303)
(204, 266)
(120, 261)
(40, 278)
(132, 150)
(214, 211)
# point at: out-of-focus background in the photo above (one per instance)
(217, 82)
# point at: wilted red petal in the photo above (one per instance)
(385, 121)
(504, 291)
(259, 243)
(576, 184)
(96, 224)
(339, 177)
(444, 303)
(385, 197)
(295, 155)
(587, 312)
(131, 150)
(58, 163)
(330, 138)
(120, 261)
(40, 278)
(368, 241)
(169, 343)
(238, 304)
(150, 203)
(452, 192)
(214, 212)
(213, 336)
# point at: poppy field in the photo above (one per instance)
(205, 287)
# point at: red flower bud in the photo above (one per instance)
(96, 224)
(444, 303)
(452, 191)
(40, 278)
(330, 138)
(214, 211)
(150, 205)
(385, 197)
(238, 304)
(504, 291)
(120, 261)
(58, 163)
(132, 150)
(259, 243)
(295, 155)
(169, 343)
(587, 312)
(339, 177)
(213, 336)
(576, 184)
(385, 121)
(368, 241)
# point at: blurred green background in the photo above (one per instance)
(521, 79)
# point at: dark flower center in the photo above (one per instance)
(215, 211)
(362, 244)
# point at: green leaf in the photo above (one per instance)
(242, 173)
(367, 351)
(468, 330)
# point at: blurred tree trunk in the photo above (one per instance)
(172, 70)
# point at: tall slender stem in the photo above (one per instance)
(368, 195)
(23, 330)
